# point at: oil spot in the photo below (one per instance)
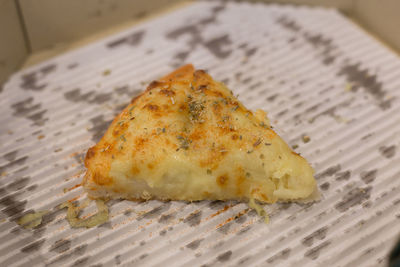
(217, 46)
(33, 246)
(141, 257)
(360, 78)
(284, 254)
(217, 205)
(218, 9)
(218, 245)
(72, 65)
(355, 197)
(36, 132)
(224, 256)
(187, 29)
(90, 97)
(288, 24)
(284, 206)
(247, 80)
(367, 204)
(128, 212)
(79, 157)
(96, 265)
(106, 225)
(368, 176)
(244, 260)
(193, 219)
(241, 219)
(343, 176)
(319, 234)
(325, 186)
(32, 187)
(163, 232)
(155, 212)
(166, 218)
(60, 246)
(243, 45)
(30, 110)
(313, 108)
(194, 244)
(125, 90)
(328, 172)
(331, 112)
(118, 108)
(323, 44)
(16, 230)
(133, 39)
(48, 69)
(30, 81)
(194, 31)
(225, 228)
(272, 97)
(49, 217)
(256, 85)
(10, 156)
(23, 168)
(38, 232)
(13, 207)
(244, 230)
(99, 127)
(388, 151)
(80, 250)
(117, 259)
(365, 137)
(181, 56)
(281, 113)
(122, 90)
(314, 252)
(37, 118)
(225, 81)
(18, 184)
(142, 243)
(251, 51)
(80, 262)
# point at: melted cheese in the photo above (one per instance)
(188, 138)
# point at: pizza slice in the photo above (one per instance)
(187, 137)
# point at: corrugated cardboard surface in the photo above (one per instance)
(316, 74)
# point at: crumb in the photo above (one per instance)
(348, 87)
(306, 138)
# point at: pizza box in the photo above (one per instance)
(329, 85)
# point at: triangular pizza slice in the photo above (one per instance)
(187, 137)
